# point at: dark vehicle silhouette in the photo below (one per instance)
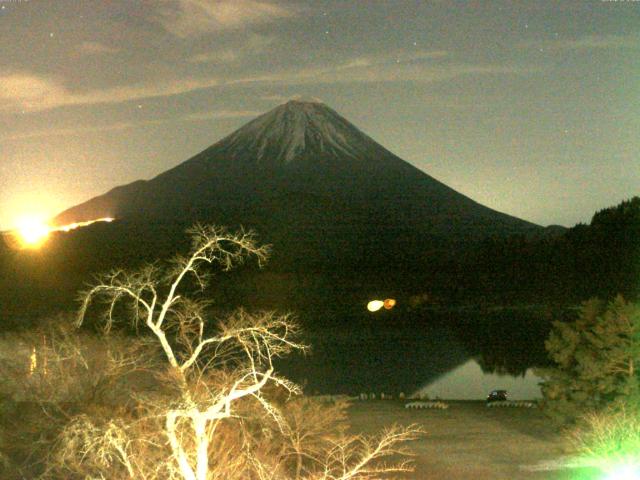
(497, 396)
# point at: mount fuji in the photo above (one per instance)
(347, 220)
(315, 186)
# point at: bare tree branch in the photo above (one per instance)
(210, 380)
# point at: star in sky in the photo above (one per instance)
(424, 79)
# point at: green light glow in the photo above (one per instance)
(609, 441)
(624, 472)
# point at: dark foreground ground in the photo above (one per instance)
(469, 441)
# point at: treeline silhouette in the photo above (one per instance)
(559, 266)
(601, 259)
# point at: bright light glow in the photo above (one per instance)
(32, 232)
(624, 472)
(73, 226)
(375, 305)
(33, 361)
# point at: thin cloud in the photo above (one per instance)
(126, 125)
(33, 93)
(393, 59)
(215, 57)
(22, 91)
(220, 114)
(95, 48)
(285, 98)
(276, 98)
(590, 42)
(604, 41)
(253, 45)
(186, 18)
(363, 70)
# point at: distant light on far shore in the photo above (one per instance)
(375, 305)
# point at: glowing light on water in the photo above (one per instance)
(375, 305)
(389, 303)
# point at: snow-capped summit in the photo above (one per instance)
(295, 128)
(310, 181)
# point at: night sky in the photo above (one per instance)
(529, 107)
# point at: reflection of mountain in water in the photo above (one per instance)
(402, 353)
(379, 360)
(470, 382)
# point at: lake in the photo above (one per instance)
(469, 382)
(449, 354)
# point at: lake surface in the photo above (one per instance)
(469, 382)
(453, 355)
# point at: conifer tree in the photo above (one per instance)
(597, 360)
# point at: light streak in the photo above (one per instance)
(33, 361)
(73, 226)
(32, 232)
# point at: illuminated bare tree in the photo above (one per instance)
(54, 364)
(211, 373)
(163, 309)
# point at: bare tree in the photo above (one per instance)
(54, 364)
(50, 374)
(210, 375)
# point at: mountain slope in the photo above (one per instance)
(312, 183)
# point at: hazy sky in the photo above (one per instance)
(529, 107)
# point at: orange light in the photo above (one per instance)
(32, 232)
(375, 305)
